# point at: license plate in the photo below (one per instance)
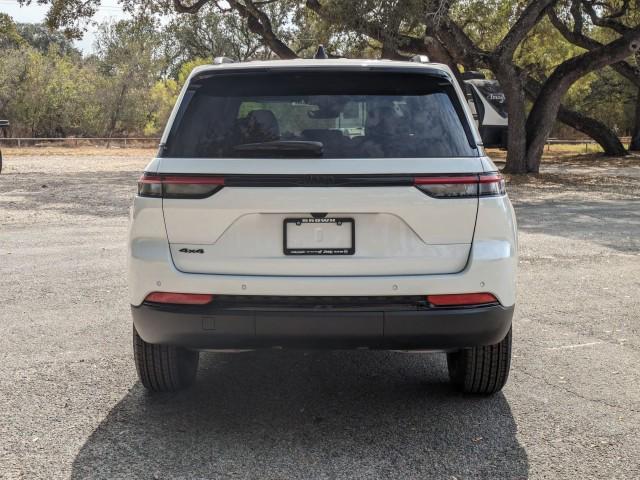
(319, 236)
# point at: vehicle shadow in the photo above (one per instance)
(308, 415)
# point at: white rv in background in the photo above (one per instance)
(489, 107)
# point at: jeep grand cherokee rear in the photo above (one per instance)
(322, 204)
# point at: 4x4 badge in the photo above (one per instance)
(188, 250)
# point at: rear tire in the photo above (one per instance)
(481, 370)
(164, 368)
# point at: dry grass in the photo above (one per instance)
(83, 151)
(553, 152)
(562, 168)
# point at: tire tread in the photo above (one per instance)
(163, 368)
(481, 370)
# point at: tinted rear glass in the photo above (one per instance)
(329, 114)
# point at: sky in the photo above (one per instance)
(109, 10)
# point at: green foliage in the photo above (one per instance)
(210, 34)
(9, 36)
(48, 89)
(607, 96)
(42, 94)
(129, 56)
(544, 49)
(42, 39)
(130, 84)
(162, 97)
(476, 15)
(186, 67)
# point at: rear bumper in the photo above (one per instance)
(382, 328)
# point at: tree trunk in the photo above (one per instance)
(595, 129)
(436, 52)
(116, 114)
(545, 108)
(390, 51)
(635, 134)
(539, 125)
(513, 89)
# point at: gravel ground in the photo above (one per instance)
(72, 407)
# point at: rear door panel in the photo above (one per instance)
(398, 229)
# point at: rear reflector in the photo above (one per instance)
(461, 299)
(461, 186)
(178, 186)
(179, 298)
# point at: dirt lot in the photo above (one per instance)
(72, 407)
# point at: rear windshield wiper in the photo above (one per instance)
(288, 148)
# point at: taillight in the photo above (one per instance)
(179, 298)
(461, 299)
(178, 186)
(461, 186)
(491, 184)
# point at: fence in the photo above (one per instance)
(584, 141)
(146, 142)
(117, 142)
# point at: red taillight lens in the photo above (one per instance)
(461, 299)
(179, 298)
(149, 185)
(491, 184)
(446, 180)
(461, 186)
(178, 186)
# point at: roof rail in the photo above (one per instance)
(420, 59)
(221, 60)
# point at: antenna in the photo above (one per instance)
(321, 54)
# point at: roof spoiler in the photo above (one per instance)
(420, 59)
(221, 60)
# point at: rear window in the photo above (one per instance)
(320, 114)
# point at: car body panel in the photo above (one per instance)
(491, 266)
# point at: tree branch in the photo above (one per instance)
(591, 127)
(606, 22)
(404, 43)
(193, 8)
(461, 46)
(575, 36)
(545, 108)
(528, 19)
(599, 57)
(259, 23)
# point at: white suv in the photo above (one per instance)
(322, 204)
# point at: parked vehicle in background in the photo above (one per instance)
(322, 204)
(4, 126)
(489, 106)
